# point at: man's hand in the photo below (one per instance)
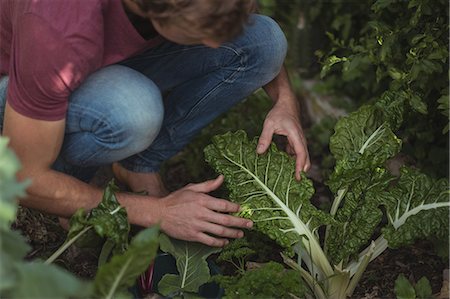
(284, 120)
(190, 214)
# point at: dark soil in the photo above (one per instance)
(45, 235)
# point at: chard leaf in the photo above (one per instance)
(108, 219)
(363, 140)
(359, 216)
(417, 208)
(121, 272)
(264, 186)
(191, 264)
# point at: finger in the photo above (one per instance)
(211, 241)
(221, 205)
(222, 231)
(228, 220)
(300, 154)
(206, 186)
(264, 140)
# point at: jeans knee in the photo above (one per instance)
(269, 46)
(129, 107)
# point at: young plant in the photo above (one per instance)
(108, 220)
(193, 270)
(265, 187)
(405, 290)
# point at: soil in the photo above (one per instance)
(45, 235)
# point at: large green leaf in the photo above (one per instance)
(417, 208)
(121, 272)
(191, 264)
(363, 140)
(358, 217)
(264, 186)
(37, 280)
(361, 144)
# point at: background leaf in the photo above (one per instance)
(191, 264)
(121, 272)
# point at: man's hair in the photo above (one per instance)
(219, 20)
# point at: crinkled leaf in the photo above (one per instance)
(108, 219)
(271, 280)
(403, 288)
(264, 185)
(358, 217)
(362, 142)
(191, 264)
(37, 280)
(121, 272)
(417, 207)
(236, 249)
(390, 107)
(365, 133)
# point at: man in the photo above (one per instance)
(81, 87)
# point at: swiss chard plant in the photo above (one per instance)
(332, 263)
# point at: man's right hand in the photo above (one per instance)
(193, 215)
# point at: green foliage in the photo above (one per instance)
(401, 49)
(109, 220)
(236, 252)
(120, 273)
(424, 196)
(115, 229)
(405, 290)
(18, 278)
(271, 280)
(415, 204)
(10, 188)
(192, 267)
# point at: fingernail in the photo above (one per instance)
(259, 148)
(249, 224)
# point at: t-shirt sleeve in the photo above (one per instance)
(46, 67)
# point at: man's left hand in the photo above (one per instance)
(283, 119)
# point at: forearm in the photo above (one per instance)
(62, 195)
(280, 90)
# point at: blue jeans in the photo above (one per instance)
(118, 113)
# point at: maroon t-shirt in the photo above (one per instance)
(48, 47)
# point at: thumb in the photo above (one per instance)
(206, 186)
(264, 140)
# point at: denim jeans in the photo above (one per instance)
(118, 113)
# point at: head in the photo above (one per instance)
(210, 22)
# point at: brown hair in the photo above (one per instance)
(219, 20)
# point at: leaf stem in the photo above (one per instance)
(118, 279)
(66, 245)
